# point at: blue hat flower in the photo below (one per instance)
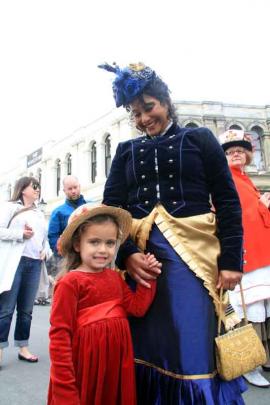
(129, 82)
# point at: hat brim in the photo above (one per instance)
(123, 218)
(245, 144)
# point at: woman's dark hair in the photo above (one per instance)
(73, 259)
(159, 90)
(21, 185)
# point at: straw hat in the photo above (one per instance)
(235, 137)
(87, 211)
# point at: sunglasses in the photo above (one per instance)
(35, 186)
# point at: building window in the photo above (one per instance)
(69, 164)
(108, 157)
(235, 127)
(256, 134)
(94, 162)
(191, 125)
(39, 175)
(58, 176)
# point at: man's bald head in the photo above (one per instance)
(71, 187)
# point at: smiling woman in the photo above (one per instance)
(163, 178)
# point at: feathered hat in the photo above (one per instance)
(129, 81)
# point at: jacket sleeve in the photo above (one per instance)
(137, 303)
(63, 321)
(226, 202)
(265, 214)
(54, 230)
(12, 233)
(116, 194)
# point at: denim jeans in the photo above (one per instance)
(22, 293)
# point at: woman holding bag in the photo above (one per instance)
(22, 239)
(256, 222)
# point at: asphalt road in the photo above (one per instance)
(23, 383)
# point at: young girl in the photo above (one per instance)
(90, 343)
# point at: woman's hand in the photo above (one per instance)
(42, 255)
(143, 267)
(27, 232)
(228, 279)
(265, 199)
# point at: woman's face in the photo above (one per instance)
(31, 192)
(236, 156)
(150, 116)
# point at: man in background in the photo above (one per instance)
(59, 218)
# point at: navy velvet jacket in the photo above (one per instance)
(181, 170)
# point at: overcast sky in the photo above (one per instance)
(49, 83)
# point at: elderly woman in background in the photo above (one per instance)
(256, 222)
(164, 179)
(23, 233)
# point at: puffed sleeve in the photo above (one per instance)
(116, 194)
(63, 320)
(226, 202)
(136, 303)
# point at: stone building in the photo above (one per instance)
(87, 153)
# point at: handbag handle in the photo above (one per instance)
(220, 307)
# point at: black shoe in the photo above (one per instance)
(266, 368)
(32, 359)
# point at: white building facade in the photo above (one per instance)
(87, 153)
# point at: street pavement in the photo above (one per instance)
(22, 383)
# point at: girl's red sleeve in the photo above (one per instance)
(63, 320)
(137, 303)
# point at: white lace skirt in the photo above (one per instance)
(256, 287)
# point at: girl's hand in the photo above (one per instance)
(138, 267)
(228, 279)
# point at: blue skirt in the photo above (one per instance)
(174, 343)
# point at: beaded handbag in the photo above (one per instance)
(239, 350)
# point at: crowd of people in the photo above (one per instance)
(137, 278)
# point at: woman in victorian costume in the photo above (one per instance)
(256, 223)
(165, 178)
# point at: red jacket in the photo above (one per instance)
(256, 223)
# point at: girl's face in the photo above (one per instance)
(97, 246)
(151, 116)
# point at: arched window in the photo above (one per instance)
(9, 191)
(191, 125)
(94, 162)
(69, 164)
(235, 127)
(58, 176)
(39, 175)
(256, 134)
(108, 157)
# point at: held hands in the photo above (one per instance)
(27, 232)
(228, 279)
(143, 267)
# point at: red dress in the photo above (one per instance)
(91, 352)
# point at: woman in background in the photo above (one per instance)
(23, 234)
(256, 222)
